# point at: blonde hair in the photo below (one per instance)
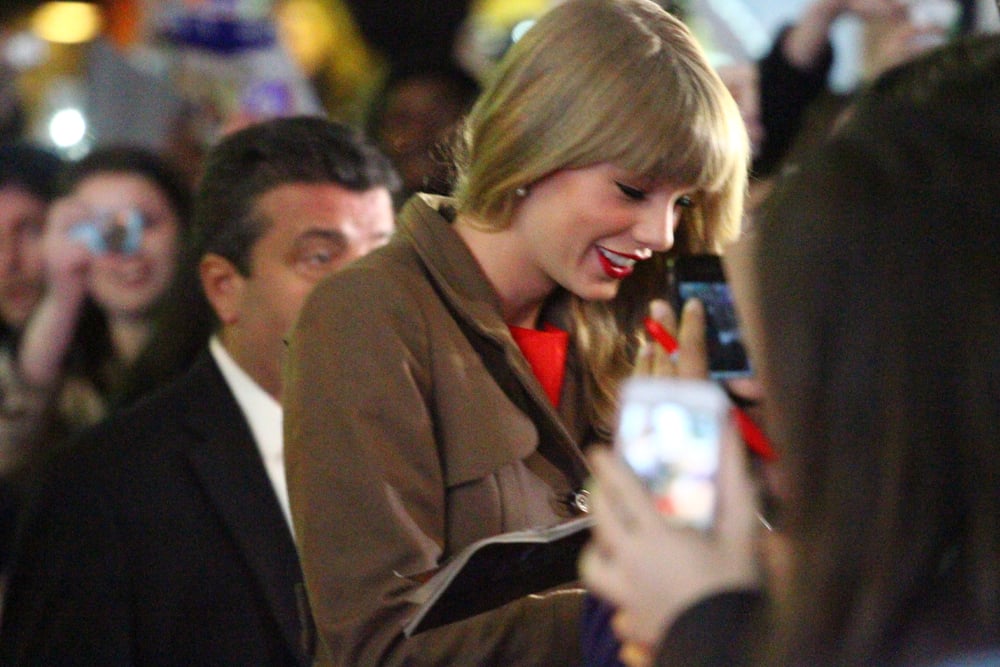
(607, 81)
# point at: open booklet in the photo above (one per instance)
(497, 570)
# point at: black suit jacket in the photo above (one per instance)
(157, 540)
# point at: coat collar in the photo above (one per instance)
(424, 224)
(460, 280)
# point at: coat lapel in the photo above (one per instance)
(228, 464)
(474, 303)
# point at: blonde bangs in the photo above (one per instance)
(658, 111)
(681, 127)
(693, 137)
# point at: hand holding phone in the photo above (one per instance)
(669, 432)
(702, 277)
(650, 570)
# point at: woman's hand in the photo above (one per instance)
(897, 40)
(652, 571)
(49, 331)
(67, 259)
(674, 350)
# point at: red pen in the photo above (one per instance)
(754, 437)
(661, 335)
(757, 442)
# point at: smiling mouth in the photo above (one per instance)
(132, 274)
(616, 265)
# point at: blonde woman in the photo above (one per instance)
(443, 389)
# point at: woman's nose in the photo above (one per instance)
(655, 228)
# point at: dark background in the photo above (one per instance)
(409, 31)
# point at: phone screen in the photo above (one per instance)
(701, 277)
(669, 432)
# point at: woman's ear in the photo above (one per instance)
(223, 285)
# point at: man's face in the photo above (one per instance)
(22, 220)
(315, 229)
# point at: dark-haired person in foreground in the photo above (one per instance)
(870, 296)
(162, 536)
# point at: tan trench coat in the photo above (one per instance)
(402, 448)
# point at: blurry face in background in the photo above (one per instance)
(22, 220)
(743, 82)
(420, 114)
(128, 285)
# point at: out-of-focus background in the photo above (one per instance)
(173, 74)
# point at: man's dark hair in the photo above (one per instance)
(31, 168)
(238, 171)
(257, 159)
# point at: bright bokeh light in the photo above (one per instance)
(517, 32)
(67, 22)
(24, 50)
(67, 128)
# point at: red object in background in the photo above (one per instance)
(122, 22)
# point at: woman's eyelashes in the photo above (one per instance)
(638, 194)
(630, 192)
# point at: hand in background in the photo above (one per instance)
(805, 43)
(50, 329)
(867, 9)
(894, 41)
(67, 259)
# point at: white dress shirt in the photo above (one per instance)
(264, 416)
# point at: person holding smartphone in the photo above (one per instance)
(443, 388)
(110, 250)
(875, 343)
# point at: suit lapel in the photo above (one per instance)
(227, 462)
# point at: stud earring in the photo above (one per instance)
(521, 192)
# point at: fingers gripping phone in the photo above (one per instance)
(670, 432)
(701, 277)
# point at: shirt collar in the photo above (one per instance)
(264, 417)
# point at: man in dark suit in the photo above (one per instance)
(163, 537)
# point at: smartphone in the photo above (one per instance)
(669, 432)
(117, 232)
(701, 277)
